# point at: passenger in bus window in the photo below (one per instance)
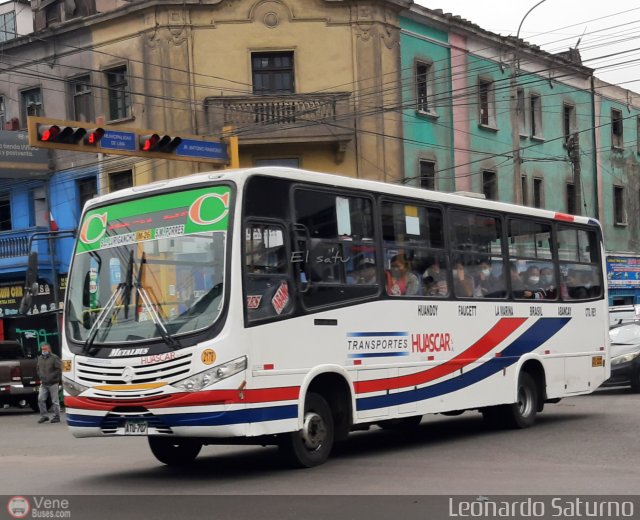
(434, 287)
(435, 271)
(462, 281)
(400, 280)
(518, 288)
(575, 285)
(365, 274)
(547, 283)
(532, 278)
(533, 283)
(485, 284)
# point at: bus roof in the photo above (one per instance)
(239, 176)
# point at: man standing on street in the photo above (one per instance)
(50, 375)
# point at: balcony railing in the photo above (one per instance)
(285, 118)
(15, 243)
(13, 246)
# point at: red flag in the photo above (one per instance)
(53, 226)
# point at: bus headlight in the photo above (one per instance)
(72, 388)
(625, 358)
(213, 375)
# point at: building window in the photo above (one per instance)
(486, 102)
(571, 198)
(568, 121)
(120, 180)
(617, 140)
(87, 189)
(8, 26)
(489, 187)
(428, 175)
(288, 162)
(522, 115)
(272, 72)
(52, 13)
(3, 116)
(638, 135)
(119, 97)
(31, 104)
(424, 84)
(536, 115)
(619, 213)
(525, 191)
(5, 212)
(537, 193)
(82, 99)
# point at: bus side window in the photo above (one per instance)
(267, 275)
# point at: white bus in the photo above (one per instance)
(286, 307)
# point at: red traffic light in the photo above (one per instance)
(49, 133)
(148, 143)
(157, 143)
(56, 134)
(93, 136)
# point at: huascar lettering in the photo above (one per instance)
(431, 342)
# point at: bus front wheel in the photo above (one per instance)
(174, 452)
(520, 414)
(311, 445)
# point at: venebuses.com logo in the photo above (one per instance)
(38, 507)
(18, 507)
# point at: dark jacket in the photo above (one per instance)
(49, 369)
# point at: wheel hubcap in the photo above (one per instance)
(524, 401)
(314, 431)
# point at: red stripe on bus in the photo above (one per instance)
(207, 397)
(490, 340)
(564, 216)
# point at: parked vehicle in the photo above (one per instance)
(625, 355)
(18, 379)
(619, 314)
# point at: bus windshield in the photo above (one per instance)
(149, 269)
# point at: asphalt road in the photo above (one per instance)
(585, 445)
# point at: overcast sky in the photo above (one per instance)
(604, 28)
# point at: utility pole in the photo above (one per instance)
(515, 117)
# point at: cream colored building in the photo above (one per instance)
(308, 83)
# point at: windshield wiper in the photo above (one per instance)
(155, 315)
(102, 316)
(106, 310)
(157, 319)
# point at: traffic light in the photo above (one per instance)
(93, 136)
(80, 136)
(155, 143)
(56, 134)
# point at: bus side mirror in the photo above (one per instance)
(31, 283)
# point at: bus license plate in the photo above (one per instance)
(597, 361)
(135, 428)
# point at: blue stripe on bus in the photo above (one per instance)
(535, 336)
(251, 415)
(378, 354)
(374, 334)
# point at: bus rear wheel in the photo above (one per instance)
(174, 452)
(520, 414)
(310, 446)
